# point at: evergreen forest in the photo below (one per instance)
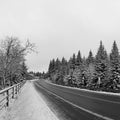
(100, 72)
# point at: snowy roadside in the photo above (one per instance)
(82, 89)
(29, 106)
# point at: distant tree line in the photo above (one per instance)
(38, 75)
(99, 72)
(12, 61)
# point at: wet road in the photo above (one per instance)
(74, 104)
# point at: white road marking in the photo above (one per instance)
(88, 111)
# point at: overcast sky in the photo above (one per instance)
(61, 27)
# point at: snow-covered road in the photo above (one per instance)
(29, 106)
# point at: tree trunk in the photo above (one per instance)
(4, 81)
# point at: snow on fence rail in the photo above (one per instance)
(9, 93)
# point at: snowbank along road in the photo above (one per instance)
(81, 104)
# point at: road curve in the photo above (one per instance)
(97, 106)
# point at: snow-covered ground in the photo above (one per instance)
(82, 89)
(28, 106)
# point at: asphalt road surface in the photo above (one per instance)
(75, 104)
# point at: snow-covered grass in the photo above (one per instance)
(29, 106)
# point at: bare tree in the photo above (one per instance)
(12, 56)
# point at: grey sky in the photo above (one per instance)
(61, 27)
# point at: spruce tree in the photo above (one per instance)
(74, 59)
(83, 68)
(52, 66)
(64, 61)
(90, 58)
(57, 64)
(64, 66)
(72, 62)
(101, 65)
(78, 59)
(115, 63)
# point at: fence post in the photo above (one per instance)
(13, 93)
(16, 90)
(7, 98)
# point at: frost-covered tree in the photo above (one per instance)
(73, 61)
(64, 66)
(12, 55)
(101, 65)
(78, 59)
(115, 63)
(52, 66)
(99, 72)
(57, 64)
(90, 59)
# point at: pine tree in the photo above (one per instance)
(101, 65)
(90, 68)
(64, 66)
(115, 63)
(64, 61)
(78, 59)
(61, 72)
(73, 59)
(52, 66)
(83, 69)
(90, 58)
(101, 54)
(57, 64)
(72, 62)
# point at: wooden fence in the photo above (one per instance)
(9, 93)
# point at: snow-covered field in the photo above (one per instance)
(28, 106)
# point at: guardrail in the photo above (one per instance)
(9, 93)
